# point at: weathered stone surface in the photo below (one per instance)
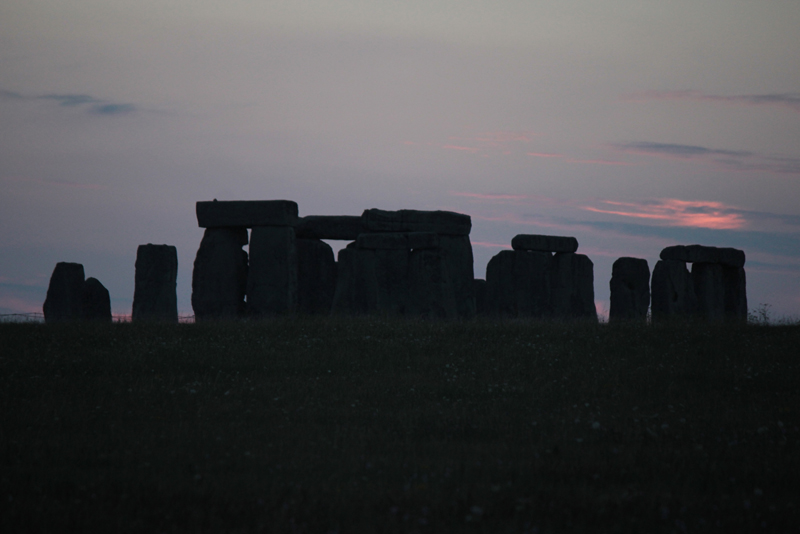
(544, 243)
(431, 292)
(709, 288)
(96, 301)
(572, 287)
(735, 293)
(518, 284)
(64, 301)
(344, 227)
(457, 254)
(672, 291)
(356, 282)
(246, 213)
(630, 290)
(154, 296)
(399, 240)
(219, 277)
(479, 288)
(440, 222)
(316, 276)
(272, 273)
(702, 254)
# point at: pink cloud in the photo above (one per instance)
(464, 148)
(674, 212)
(600, 162)
(545, 155)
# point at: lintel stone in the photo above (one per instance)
(702, 254)
(544, 243)
(344, 227)
(246, 213)
(440, 222)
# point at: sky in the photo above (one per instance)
(630, 125)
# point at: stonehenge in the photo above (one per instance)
(71, 298)
(541, 277)
(404, 263)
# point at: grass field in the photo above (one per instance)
(371, 425)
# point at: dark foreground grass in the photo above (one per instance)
(333, 425)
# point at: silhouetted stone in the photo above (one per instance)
(399, 240)
(735, 283)
(344, 227)
(440, 222)
(630, 289)
(544, 243)
(96, 301)
(457, 254)
(518, 284)
(709, 288)
(572, 287)
(246, 213)
(702, 254)
(672, 291)
(64, 301)
(356, 282)
(154, 295)
(479, 288)
(272, 274)
(316, 276)
(431, 291)
(219, 277)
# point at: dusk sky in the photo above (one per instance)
(631, 125)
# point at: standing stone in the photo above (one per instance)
(431, 291)
(459, 262)
(219, 277)
(272, 275)
(672, 290)
(316, 276)
(64, 301)
(154, 295)
(96, 301)
(735, 293)
(572, 287)
(630, 290)
(356, 282)
(479, 286)
(709, 288)
(703, 254)
(518, 284)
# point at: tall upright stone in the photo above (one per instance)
(219, 276)
(672, 291)
(96, 301)
(432, 293)
(459, 263)
(518, 284)
(735, 293)
(272, 274)
(630, 290)
(709, 288)
(154, 296)
(572, 287)
(356, 282)
(64, 301)
(316, 276)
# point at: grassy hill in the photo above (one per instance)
(364, 425)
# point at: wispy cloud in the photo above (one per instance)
(674, 212)
(785, 100)
(90, 104)
(733, 160)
